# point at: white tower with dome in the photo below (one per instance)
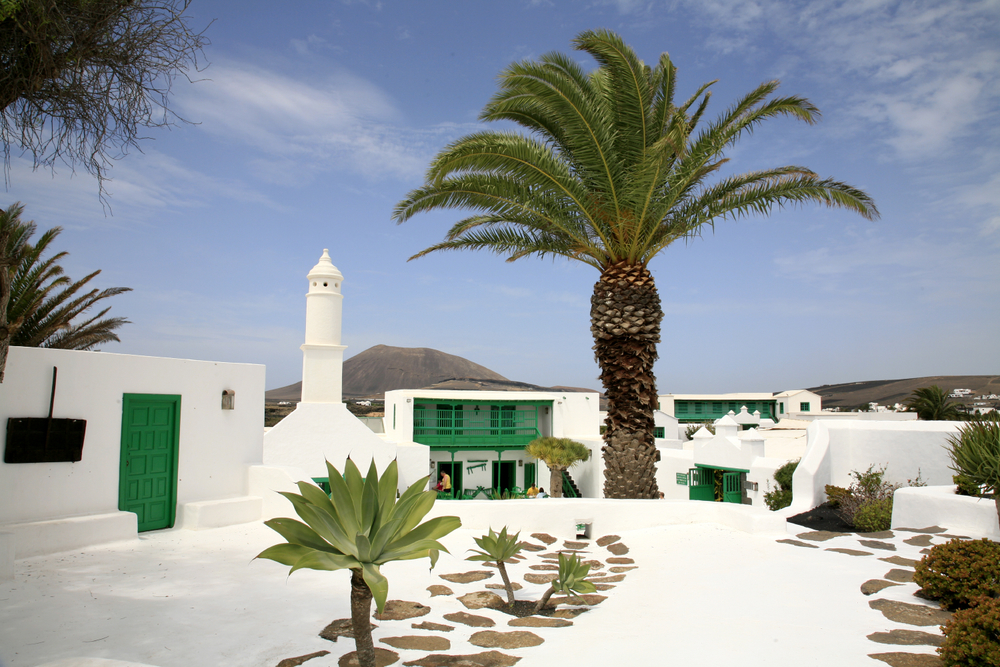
(322, 353)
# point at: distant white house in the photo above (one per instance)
(478, 437)
(695, 408)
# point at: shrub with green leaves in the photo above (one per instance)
(874, 516)
(959, 571)
(571, 580)
(359, 527)
(972, 636)
(834, 494)
(782, 495)
(497, 548)
(871, 495)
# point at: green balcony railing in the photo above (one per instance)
(479, 427)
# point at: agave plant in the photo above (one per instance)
(571, 580)
(359, 527)
(975, 455)
(496, 548)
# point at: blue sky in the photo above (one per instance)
(315, 118)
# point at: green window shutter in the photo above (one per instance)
(659, 432)
(782, 408)
(682, 406)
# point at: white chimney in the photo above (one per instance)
(322, 353)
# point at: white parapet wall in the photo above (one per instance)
(924, 506)
(560, 516)
(835, 449)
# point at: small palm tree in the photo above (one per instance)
(360, 527)
(931, 403)
(39, 306)
(571, 580)
(497, 548)
(558, 454)
(612, 172)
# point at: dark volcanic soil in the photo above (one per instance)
(822, 518)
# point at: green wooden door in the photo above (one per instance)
(530, 474)
(732, 487)
(148, 467)
(701, 484)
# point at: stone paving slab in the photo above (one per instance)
(902, 576)
(606, 540)
(876, 544)
(919, 541)
(467, 577)
(472, 620)
(900, 659)
(820, 535)
(485, 659)
(907, 638)
(873, 586)
(910, 614)
(383, 658)
(497, 639)
(899, 560)
(849, 552)
(797, 543)
(418, 642)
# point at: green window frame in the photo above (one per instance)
(804, 407)
(659, 432)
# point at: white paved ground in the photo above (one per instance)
(702, 594)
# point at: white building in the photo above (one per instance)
(165, 443)
(478, 437)
(694, 408)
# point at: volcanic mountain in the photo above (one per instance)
(382, 368)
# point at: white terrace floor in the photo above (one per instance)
(701, 594)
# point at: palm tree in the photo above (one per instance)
(932, 403)
(39, 306)
(610, 174)
(559, 454)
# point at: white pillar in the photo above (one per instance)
(322, 353)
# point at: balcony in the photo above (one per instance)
(476, 425)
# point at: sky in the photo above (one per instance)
(312, 119)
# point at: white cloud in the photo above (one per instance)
(344, 123)
(925, 73)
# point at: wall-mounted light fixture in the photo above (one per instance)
(228, 399)
(409, 400)
(520, 463)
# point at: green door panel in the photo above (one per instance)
(732, 485)
(701, 484)
(148, 466)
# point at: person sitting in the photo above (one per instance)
(532, 492)
(541, 493)
(445, 483)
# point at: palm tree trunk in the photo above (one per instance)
(625, 318)
(555, 481)
(361, 606)
(506, 582)
(545, 599)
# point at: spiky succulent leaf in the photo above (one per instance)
(286, 554)
(360, 526)
(495, 546)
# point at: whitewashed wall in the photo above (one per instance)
(216, 446)
(836, 448)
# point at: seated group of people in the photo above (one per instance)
(536, 492)
(444, 484)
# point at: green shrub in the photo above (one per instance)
(834, 494)
(777, 499)
(958, 572)
(782, 495)
(972, 636)
(783, 475)
(965, 486)
(874, 516)
(870, 495)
